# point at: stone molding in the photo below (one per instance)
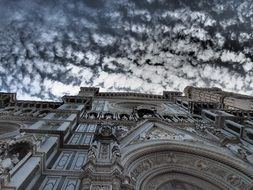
(133, 152)
(182, 158)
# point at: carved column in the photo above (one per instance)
(103, 169)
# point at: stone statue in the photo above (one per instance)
(92, 116)
(124, 117)
(116, 153)
(15, 158)
(108, 116)
(92, 152)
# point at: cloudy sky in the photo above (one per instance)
(49, 48)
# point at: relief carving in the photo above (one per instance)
(11, 153)
(234, 180)
(121, 131)
(156, 133)
(104, 151)
(171, 158)
(210, 168)
(124, 117)
(201, 165)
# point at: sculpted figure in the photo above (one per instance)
(147, 116)
(92, 116)
(124, 117)
(92, 152)
(116, 152)
(108, 116)
(15, 158)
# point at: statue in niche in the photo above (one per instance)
(116, 155)
(132, 117)
(92, 116)
(108, 116)
(11, 154)
(147, 116)
(15, 158)
(145, 112)
(124, 117)
(92, 152)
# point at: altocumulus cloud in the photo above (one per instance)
(49, 48)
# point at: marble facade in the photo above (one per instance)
(202, 139)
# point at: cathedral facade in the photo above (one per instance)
(199, 139)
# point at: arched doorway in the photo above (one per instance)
(180, 165)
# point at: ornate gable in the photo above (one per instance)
(155, 131)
